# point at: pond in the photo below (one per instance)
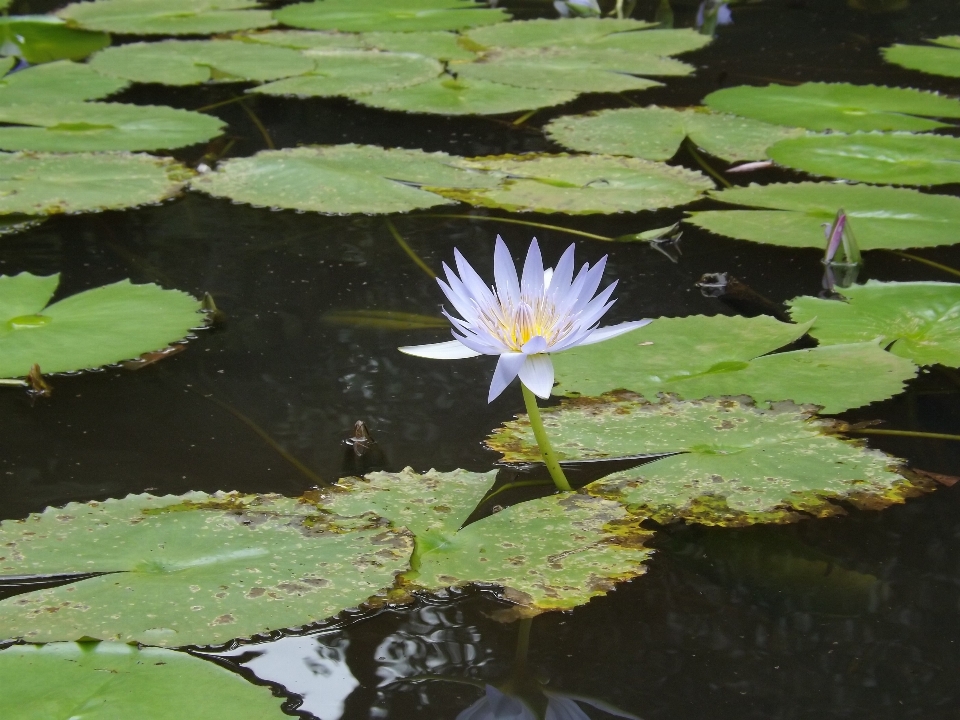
(847, 606)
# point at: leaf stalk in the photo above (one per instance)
(540, 433)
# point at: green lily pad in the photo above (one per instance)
(583, 184)
(100, 680)
(840, 107)
(44, 38)
(436, 44)
(461, 96)
(351, 72)
(697, 357)
(167, 17)
(304, 39)
(880, 217)
(79, 127)
(553, 553)
(389, 15)
(189, 62)
(56, 83)
(891, 159)
(341, 179)
(944, 60)
(193, 569)
(88, 330)
(739, 464)
(40, 184)
(655, 133)
(918, 320)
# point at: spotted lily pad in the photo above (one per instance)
(167, 17)
(389, 15)
(553, 553)
(696, 357)
(583, 184)
(44, 38)
(88, 330)
(837, 106)
(888, 159)
(55, 83)
(80, 127)
(880, 217)
(189, 62)
(91, 680)
(918, 320)
(943, 60)
(655, 133)
(738, 463)
(193, 569)
(436, 44)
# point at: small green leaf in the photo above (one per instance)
(55, 83)
(42, 39)
(935, 60)
(388, 15)
(167, 17)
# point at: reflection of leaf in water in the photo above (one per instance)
(384, 320)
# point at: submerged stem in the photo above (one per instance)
(409, 250)
(706, 166)
(905, 433)
(546, 451)
(528, 223)
(931, 263)
(259, 125)
(523, 643)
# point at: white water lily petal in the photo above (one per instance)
(562, 275)
(450, 350)
(537, 374)
(535, 345)
(508, 367)
(505, 273)
(601, 334)
(531, 282)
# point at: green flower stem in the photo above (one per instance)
(931, 263)
(905, 433)
(546, 451)
(692, 149)
(409, 250)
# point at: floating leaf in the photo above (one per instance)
(894, 159)
(583, 184)
(655, 133)
(79, 127)
(740, 464)
(194, 569)
(188, 62)
(436, 44)
(881, 217)
(43, 38)
(39, 184)
(943, 60)
(304, 39)
(341, 179)
(836, 106)
(349, 72)
(55, 83)
(167, 17)
(88, 330)
(919, 320)
(389, 15)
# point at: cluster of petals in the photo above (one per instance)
(523, 319)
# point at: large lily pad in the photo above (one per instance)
(739, 464)
(433, 43)
(696, 357)
(880, 217)
(388, 15)
(167, 17)
(887, 159)
(101, 680)
(352, 72)
(918, 320)
(41, 184)
(88, 330)
(44, 38)
(655, 133)
(80, 127)
(341, 179)
(55, 83)
(944, 60)
(189, 62)
(583, 184)
(193, 569)
(837, 106)
(552, 553)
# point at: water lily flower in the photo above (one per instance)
(577, 8)
(712, 13)
(524, 320)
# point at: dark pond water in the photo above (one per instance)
(853, 617)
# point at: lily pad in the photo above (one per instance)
(189, 62)
(918, 320)
(88, 330)
(119, 680)
(40, 184)
(167, 17)
(880, 217)
(79, 127)
(462, 96)
(193, 569)
(739, 463)
(341, 179)
(655, 133)
(304, 39)
(44, 38)
(886, 159)
(56, 83)
(352, 72)
(840, 107)
(944, 60)
(696, 357)
(389, 15)
(583, 184)
(439, 45)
